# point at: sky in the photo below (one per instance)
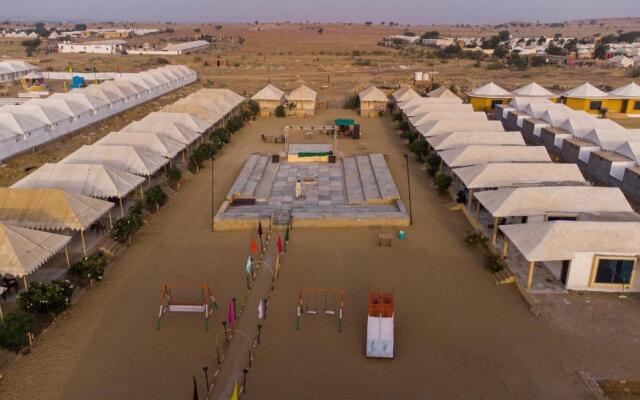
(402, 11)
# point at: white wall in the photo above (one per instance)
(580, 274)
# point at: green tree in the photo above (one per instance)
(504, 35)
(280, 111)
(80, 27)
(14, 329)
(430, 35)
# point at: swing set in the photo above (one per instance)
(309, 299)
(194, 298)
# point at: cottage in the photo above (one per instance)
(582, 255)
(269, 98)
(301, 101)
(373, 102)
(586, 97)
(625, 100)
(114, 46)
(488, 97)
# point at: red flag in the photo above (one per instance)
(254, 247)
(279, 244)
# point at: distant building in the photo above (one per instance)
(301, 101)
(13, 70)
(115, 46)
(269, 98)
(187, 47)
(373, 102)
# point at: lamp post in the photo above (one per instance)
(213, 211)
(406, 158)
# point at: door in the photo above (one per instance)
(565, 272)
(625, 104)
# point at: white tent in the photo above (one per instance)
(302, 93)
(490, 90)
(447, 115)
(629, 91)
(533, 90)
(579, 127)
(585, 91)
(174, 130)
(126, 158)
(483, 154)
(631, 150)
(435, 128)
(23, 250)
(189, 120)
(148, 141)
(94, 180)
(609, 139)
(486, 176)
(410, 107)
(457, 139)
(442, 92)
(372, 93)
(404, 93)
(269, 93)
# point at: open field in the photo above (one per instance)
(458, 335)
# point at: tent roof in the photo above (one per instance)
(189, 120)
(174, 130)
(95, 180)
(521, 102)
(609, 139)
(435, 128)
(537, 109)
(50, 209)
(629, 91)
(23, 250)
(481, 154)
(420, 119)
(404, 93)
(580, 126)
(631, 150)
(126, 158)
(533, 90)
(518, 174)
(269, 92)
(457, 139)
(302, 93)
(490, 90)
(18, 122)
(442, 92)
(222, 96)
(69, 107)
(102, 92)
(421, 108)
(410, 104)
(531, 201)
(585, 91)
(152, 142)
(372, 93)
(560, 240)
(204, 113)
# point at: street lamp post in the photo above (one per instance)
(406, 158)
(213, 211)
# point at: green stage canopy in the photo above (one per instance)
(345, 122)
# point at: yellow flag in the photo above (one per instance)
(234, 395)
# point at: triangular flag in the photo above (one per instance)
(234, 395)
(232, 319)
(260, 310)
(249, 266)
(279, 244)
(254, 246)
(260, 228)
(195, 389)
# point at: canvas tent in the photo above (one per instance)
(447, 115)
(152, 142)
(22, 250)
(482, 154)
(457, 139)
(435, 128)
(373, 101)
(268, 98)
(174, 130)
(125, 158)
(496, 175)
(189, 120)
(442, 92)
(301, 101)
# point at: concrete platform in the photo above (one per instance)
(355, 191)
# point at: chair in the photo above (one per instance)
(9, 281)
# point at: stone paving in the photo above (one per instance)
(354, 188)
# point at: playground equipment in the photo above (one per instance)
(380, 325)
(171, 292)
(331, 300)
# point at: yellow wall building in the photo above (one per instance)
(487, 97)
(625, 100)
(586, 97)
(268, 98)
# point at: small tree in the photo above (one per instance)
(53, 297)
(418, 147)
(254, 107)
(154, 198)
(14, 329)
(173, 176)
(433, 163)
(280, 111)
(443, 183)
(90, 268)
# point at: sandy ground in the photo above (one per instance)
(458, 335)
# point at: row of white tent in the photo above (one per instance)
(112, 168)
(12, 70)
(38, 121)
(546, 210)
(578, 137)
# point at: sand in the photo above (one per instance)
(458, 335)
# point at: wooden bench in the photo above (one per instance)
(384, 239)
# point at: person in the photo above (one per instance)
(298, 189)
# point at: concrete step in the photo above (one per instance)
(255, 176)
(352, 181)
(245, 173)
(504, 277)
(386, 185)
(368, 179)
(264, 187)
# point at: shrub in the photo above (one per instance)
(280, 111)
(223, 134)
(442, 182)
(433, 163)
(53, 297)
(254, 107)
(404, 126)
(635, 73)
(397, 116)
(173, 176)
(235, 124)
(410, 136)
(154, 198)
(352, 102)
(14, 329)
(418, 147)
(90, 267)
(126, 226)
(473, 238)
(493, 262)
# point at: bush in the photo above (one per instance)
(14, 329)
(443, 183)
(90, 267)
(173, 176)
(410, 136)
(223, 134)
(53, 297)
(254, 107)
(280, 111)
(154, 198)
(404, 126)
(235, 124)
(493, 262)
(418, 147)
(352, 102)
(433, 163)
(635, 73)
(473, 239)
(397, 116)
(126, 226)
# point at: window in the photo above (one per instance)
(495, 103)
(595, 105)
(561, 217)
(614, 271)
(636, 106)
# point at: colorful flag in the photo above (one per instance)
(260, 310)
(260, 228)
(234, 395)
(254, 246)
(249, 266)
(279, 244)
(232, 319)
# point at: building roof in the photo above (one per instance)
(302, 93)
(457, 139)
(269, 93)
(94, 180)
(109, 42)
(186, 45)
(537, 109)
(372, 93)
(580, 126)
(490, 90)
(425, 107)
(498, 175)
(19, 123)
(404, 93)
(412, 104)
(481, 154)
(561, 240)
(533, 90)
(50, 209)
(520, 103)
(585, 91)
(13, 66)
(420, 119)
(435, 128)
(609, 139)
(174, 130)
(152, 142)
(23, 250)
(189, 120)
(629, 91)
(631, 150)
(126, 158)
(532, 201)
(442, 92)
